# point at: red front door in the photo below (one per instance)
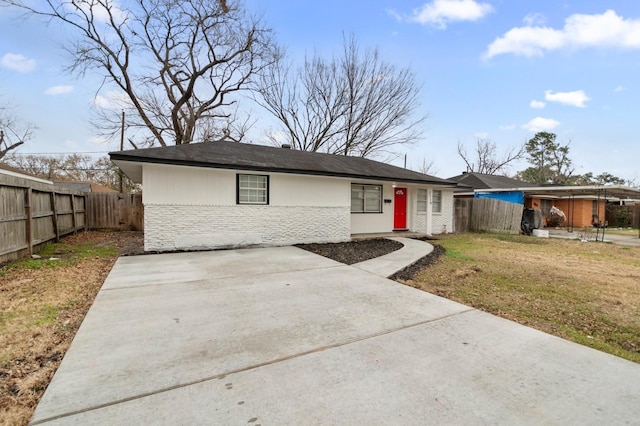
(400, 208)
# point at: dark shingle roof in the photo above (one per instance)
(482, 181)
(242, 156)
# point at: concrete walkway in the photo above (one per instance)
(389, 264)
(283, 336)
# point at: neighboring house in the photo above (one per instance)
(582, 205)
(228, 194)
(12, 176)
(83, 186)
(483, 181)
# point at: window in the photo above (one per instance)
(252, 189)
(437, 202)
(366, 199)
(422, 200)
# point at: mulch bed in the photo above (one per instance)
(359, 251)
(410, 271)
(353, 251)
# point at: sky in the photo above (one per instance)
(495, 69)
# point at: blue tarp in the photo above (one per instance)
(511, 197)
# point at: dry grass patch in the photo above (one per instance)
(585, 292)
(42, 304)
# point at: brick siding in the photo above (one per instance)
(187, 227)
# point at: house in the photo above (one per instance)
(582, 206)
(223, 194)
(83, 186)
(228, 194)
(12, 176)
(483, 181)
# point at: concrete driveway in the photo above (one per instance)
(276, 336)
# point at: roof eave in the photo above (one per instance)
(117, 157)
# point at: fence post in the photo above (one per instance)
(29, 214)
(56, 230)
(73, 214)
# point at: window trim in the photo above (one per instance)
(433, 203)
(380, 189)
(267, 190)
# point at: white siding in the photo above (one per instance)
(165, 184)
(299, 190)
(178, 185)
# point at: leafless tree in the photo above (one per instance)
(485, 158)
(355, 104)
(13, 132)
(72, 168)
(177, 65)
(427, 167)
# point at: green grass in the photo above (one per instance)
(454, 254)
(47, 315)
(58, 255)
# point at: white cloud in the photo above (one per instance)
(17, 62)
(440, 12)
(112, 100)
(537, 104)
(576, 98)
(277, 137)
(619, 89)
(540, 124)
(534, 19)
(507, 127)
(580, 31)
(99, 140)
(58, 90)
(98, 10)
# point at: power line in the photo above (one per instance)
(59, 153)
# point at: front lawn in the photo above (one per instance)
(587, 292)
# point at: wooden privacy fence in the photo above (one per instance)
(488, 215)
(32, 216)
(110, 210)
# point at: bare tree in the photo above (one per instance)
(485, 158)
(72, 168)
(177, 65)
(355, 104)
(13, 132)
(427, 167)
(45, 167)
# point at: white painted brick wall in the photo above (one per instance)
(188, 227)
(419, 222)
(443, 222)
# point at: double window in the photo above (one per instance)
(252, 189)
(436, 201)
(366, 199)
